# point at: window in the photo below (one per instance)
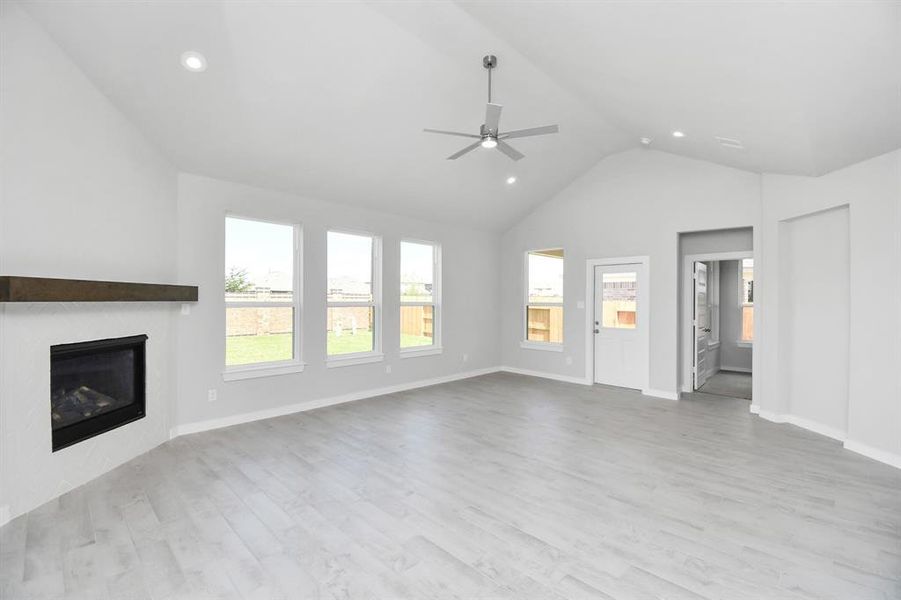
(544, 299)
(747, 300)
(419, 295)
(261, 293)
(713, 301)
(620, 299)
(353, 295)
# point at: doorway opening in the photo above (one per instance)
(720, 324)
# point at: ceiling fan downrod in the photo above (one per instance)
(489, 62)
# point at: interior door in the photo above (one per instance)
(701, 324)
(620, 342)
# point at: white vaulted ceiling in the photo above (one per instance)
(329, 98)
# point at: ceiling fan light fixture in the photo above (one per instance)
(490, 135)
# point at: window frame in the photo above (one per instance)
(713, 302)
(435, 347)
(525, 342)
(278, 367)
(741, 299)
(376, 354)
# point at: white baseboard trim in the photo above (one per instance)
(803, 423)
(546, 375)
(755, 409)
(736, 369)
(661, 394)
(827, 430)
(4, 515)
(882, 456)
(288, 409)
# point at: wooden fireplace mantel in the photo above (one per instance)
(43, 289)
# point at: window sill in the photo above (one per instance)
(743, 344)
(350, 360)
(265, 370)
(427, 351)
(546, 346)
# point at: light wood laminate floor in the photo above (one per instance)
(728, 383)
(501, 486)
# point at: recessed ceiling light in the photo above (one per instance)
(645, 141)
(193, 61)
(678, 134)
(511, 179)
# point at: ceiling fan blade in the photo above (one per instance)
(493, 116)
(457, 133)
(509, 150)
(530, 132)
(465, 150)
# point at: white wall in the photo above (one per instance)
(814, 281)
(732, 355)
(470, 293)
(83, 196)
(631, 204)
(872, 191)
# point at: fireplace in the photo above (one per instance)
(95, 387)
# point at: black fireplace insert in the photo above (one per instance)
(95, 387)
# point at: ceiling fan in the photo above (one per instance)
(490, 135)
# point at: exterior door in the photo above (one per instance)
(620, 343)
(701, 322)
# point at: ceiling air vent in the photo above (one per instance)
(730, 143)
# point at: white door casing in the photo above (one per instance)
(701, 323)
(620, 324)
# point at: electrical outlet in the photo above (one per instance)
(465, 357)
(569, 360)
(388, 369)
(580, 304)
(211, 395)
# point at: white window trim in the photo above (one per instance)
(525, 342)
(545, 346)
(355, 358)
(374, 355)
(435, 347)
(279, 367)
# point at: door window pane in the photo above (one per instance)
(350, 329)
(349, 267)
(416, 326)
(619, 302)
(258, 334)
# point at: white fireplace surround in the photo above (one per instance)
(32, 474)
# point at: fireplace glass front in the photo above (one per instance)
(95, 387)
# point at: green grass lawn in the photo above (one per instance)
(347, 342)
(249, 349)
